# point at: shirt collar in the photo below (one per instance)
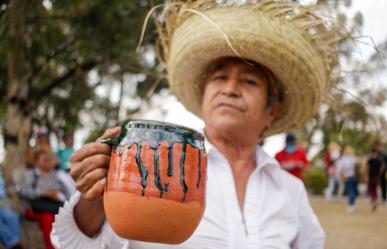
(264, 161)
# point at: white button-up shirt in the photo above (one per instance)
(276, 214)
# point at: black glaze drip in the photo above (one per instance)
(170, 160)
(199, 169)
(182, 177)
(166, 185)
(154, 133)
(141, 168)
(157, 179)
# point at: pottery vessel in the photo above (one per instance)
(156, 182)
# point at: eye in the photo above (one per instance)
(219, 77)
(250, 81)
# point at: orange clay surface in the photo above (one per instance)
(151, 219)
(124, 173)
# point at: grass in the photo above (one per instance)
(361, 229)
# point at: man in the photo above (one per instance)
(293, 158)
(383, 183)
(250, 201)
(374, 171)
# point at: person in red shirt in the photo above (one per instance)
(293, 158)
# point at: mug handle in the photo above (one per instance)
(111, 141)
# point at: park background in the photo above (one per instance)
(72, 66)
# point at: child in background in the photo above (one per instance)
(44, 192)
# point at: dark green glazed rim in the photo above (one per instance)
(153, 132)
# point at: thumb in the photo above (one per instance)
(112, 132)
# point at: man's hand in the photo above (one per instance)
(89, 166)
(89, 169)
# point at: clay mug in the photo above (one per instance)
(155, 189)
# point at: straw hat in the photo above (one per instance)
(288, 38)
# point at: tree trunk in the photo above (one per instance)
(17, 118)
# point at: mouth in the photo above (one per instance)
(227, 105)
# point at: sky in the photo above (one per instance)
(374, 13)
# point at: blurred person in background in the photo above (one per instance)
(374, 170)
(330, 159)
(44, 192)
(42, 143)
(9, 222)
(293, 158)
(346, 168)
(382, 182)
(65, 153)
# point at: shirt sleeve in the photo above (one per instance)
(66, 234)
(311, 234)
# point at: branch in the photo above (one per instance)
(85, 67)
(62, 48)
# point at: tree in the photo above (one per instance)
(50, 49)
(349, 116)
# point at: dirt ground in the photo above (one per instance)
(361, 229)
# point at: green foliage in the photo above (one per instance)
(93, 136)
(350, 116)
(315, 180)
(59, 42)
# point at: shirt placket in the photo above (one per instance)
(252, 209)
(237, 224)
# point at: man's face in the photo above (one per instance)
(236, 96)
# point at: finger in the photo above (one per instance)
(80, 169)
(96, 191)
(90, 150)
(112, 132)
(89, 180)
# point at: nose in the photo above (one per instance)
(231, 87)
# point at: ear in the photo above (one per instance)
(273, 112)
(276, 109)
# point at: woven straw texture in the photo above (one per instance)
(288, 38)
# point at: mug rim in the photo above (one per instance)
(175, 127)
